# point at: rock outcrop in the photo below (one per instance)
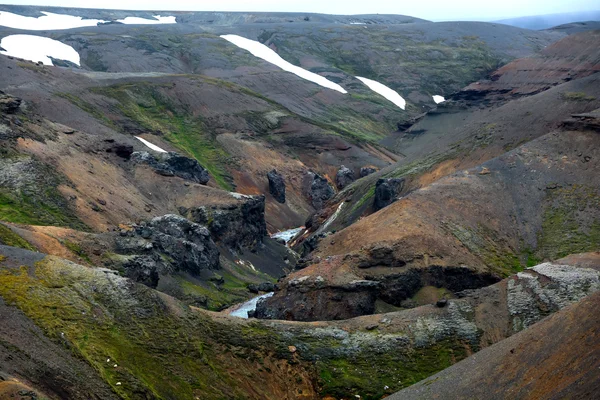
(121, 150)
(236, 225)
(173, 164)
(9, 104)
(319, 190)
(387, 191)
(344, 177)
(276, 186)
(366, 171)
(315, 301)
(164, 245)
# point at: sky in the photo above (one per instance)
(436, 10)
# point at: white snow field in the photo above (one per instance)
(438, 99)
(385, 91)
(150, 145)
(38, 48)
(261, 51)
(49, 21)
(144, 21)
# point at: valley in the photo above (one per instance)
(203, 205)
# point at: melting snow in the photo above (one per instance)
(239, 196)
(385, 91)
(438, 99)
(242, 311)
(332, 218)
(287, 235)
(150, 145)
(261, 51)
(144, 21)
(38, 48)
(49, 21)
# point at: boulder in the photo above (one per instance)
(387, 191)
(366, 171)
(276, 186)
(344, 177)
(173, 164)
(319, 190)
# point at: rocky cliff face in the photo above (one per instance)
(239, 225)
(276, 185)
(164, 245)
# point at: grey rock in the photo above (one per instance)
(387, 191)
(173, 164)
(344, 177)
(366, 171)
(276, 186)
(319, 190)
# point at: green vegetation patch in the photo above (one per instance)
(22, 208)
(571, 222)
(577, 96)
(148, 106)
(9, 238)
(372, 376)
(76, 249)
(142, 345)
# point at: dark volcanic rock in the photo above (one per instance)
(173, 164)
(319, 190)
(240, 225)
(122, 150)
(276, 185)
(386, 191)
(366, 171)
(310, 302)
(9, 104)
(164, 245)
(344, 177)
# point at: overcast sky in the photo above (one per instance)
(436, 10)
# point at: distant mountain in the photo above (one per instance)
(551, 20)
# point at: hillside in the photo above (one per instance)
(401, 194)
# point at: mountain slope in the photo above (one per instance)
(551, 360)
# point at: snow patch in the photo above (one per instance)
(242, 311)
(239, 196)
(438, 99)
(287, 235)
(357, 23)
(332, 218)
(385, 91)
(49, 21)
(150, 145)
(246, 264)
(144, 21)
(38, 48)
(261, 51)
